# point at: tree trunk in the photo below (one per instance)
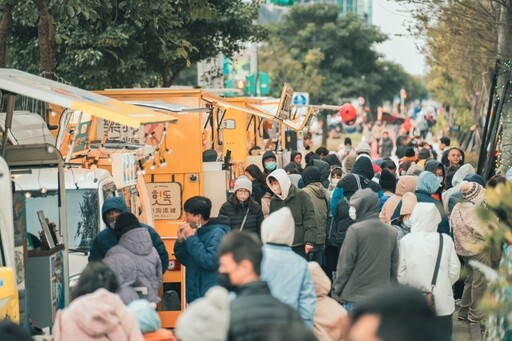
(166, 81)
(325, 130)
(4, 31)
(505, 55)
(47, 43)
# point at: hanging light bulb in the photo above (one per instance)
(151, 157)
(168, 151)
(164, 132)
(43, 190)
(27, 195)
(50, 149)
(163, 162)
(53, 113)
(143, 172)
(153, 166)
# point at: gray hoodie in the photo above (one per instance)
(137, 245)
(369, 256)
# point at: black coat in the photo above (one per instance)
(255, 312)
(236, 214)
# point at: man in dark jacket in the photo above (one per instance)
(269, 162)
(320, 198)
(254, 312)
(369, 255)
(198, 244)
(285, 194)
(106, 239)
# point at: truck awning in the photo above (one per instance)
(211, 98)
(46, 90)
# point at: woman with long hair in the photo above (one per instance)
(243, 211)
(260, 191)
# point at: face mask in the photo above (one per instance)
(225, 282)
(352, 213)
(112, 224)
(270, 165)
(242, 196)
(408, 224)
(334, 182)
(439, 180)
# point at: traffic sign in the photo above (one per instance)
(300, 98)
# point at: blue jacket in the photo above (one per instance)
(293, 287)
(199, 253)
(426, 186)
(106, 239)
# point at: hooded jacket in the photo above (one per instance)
(265, 156)
(331, 319)
(325, 171)
(431, 166)
(137, 245)
(342, 220)
(364, 168)
(300, 205)
(426, 186)
(106, 239)
(254, 309)
(369, 256)
(236, 213)
(285, 271)
(319, 197)
(458, 177)
(406, 183)
(98, 316)
(199, 253)
(418, 255)
(464, 222)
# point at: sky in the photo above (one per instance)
(401, 48)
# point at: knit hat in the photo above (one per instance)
(387, 180)
(409, 152)
(363, 147)
(470, 190)
(243, 182)
(423, 154)
(348, 162)
(146, 315)
(206, 318)
(409, 202)
(414, 170)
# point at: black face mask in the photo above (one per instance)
(225, 282)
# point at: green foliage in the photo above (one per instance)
(332, 58)
(125, 43)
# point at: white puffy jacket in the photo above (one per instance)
(418, 255)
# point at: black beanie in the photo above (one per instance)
(409, 152)
(387, 180)
(125, 222)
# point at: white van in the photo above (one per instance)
(86, 190)
(27, 128)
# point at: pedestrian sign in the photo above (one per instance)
(301, 98)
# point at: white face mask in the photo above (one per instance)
(408, 223)
(352, 213)
(439, 180)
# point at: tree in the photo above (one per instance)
(100, 43)
(464, 39)
(332, 58)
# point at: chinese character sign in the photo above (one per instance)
(165, 200)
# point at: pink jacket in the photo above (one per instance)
(97, 316)
(406, 183)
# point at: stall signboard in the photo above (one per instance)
(285, 103)
(165, 198)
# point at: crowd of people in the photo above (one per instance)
(353, 244)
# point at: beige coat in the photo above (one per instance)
(406, 183)
(331, 320)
